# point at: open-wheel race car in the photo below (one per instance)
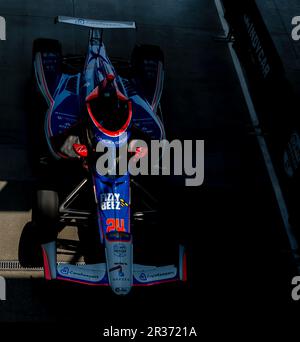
(89, 102)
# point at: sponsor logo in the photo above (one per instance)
(143, 276)
(257, 47)
(157, 276)
(161, 274)
(80, 21)
(111, 201)
(76, 272)
(123, 203)
(121, 289)
(65, 270)
(120, 279)
(119, 250)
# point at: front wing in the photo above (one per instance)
(96, 274)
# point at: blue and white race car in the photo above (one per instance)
(87, 105)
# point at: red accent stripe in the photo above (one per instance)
(94, 94)
(47, 272)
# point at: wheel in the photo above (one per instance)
(46, 205)
(45, 214)
(30, 252)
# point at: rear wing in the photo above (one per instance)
(93, 23)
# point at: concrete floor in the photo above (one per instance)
(234, 232)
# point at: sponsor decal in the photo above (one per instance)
(65, 270)
(77, 272)
(119, 250)
(112, 201)
(80, 21)
(143, 276)
(156, 276)
(121, 289)
(257, 47)
(123, 203)
(120, 278)
(160, 275)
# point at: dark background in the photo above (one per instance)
(240, 265)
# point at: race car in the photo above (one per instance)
(92, 101)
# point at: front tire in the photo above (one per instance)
(45, 214)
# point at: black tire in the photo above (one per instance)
(45, 214)
(46, 205)
(30, 251)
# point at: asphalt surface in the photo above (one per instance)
(238, 251)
